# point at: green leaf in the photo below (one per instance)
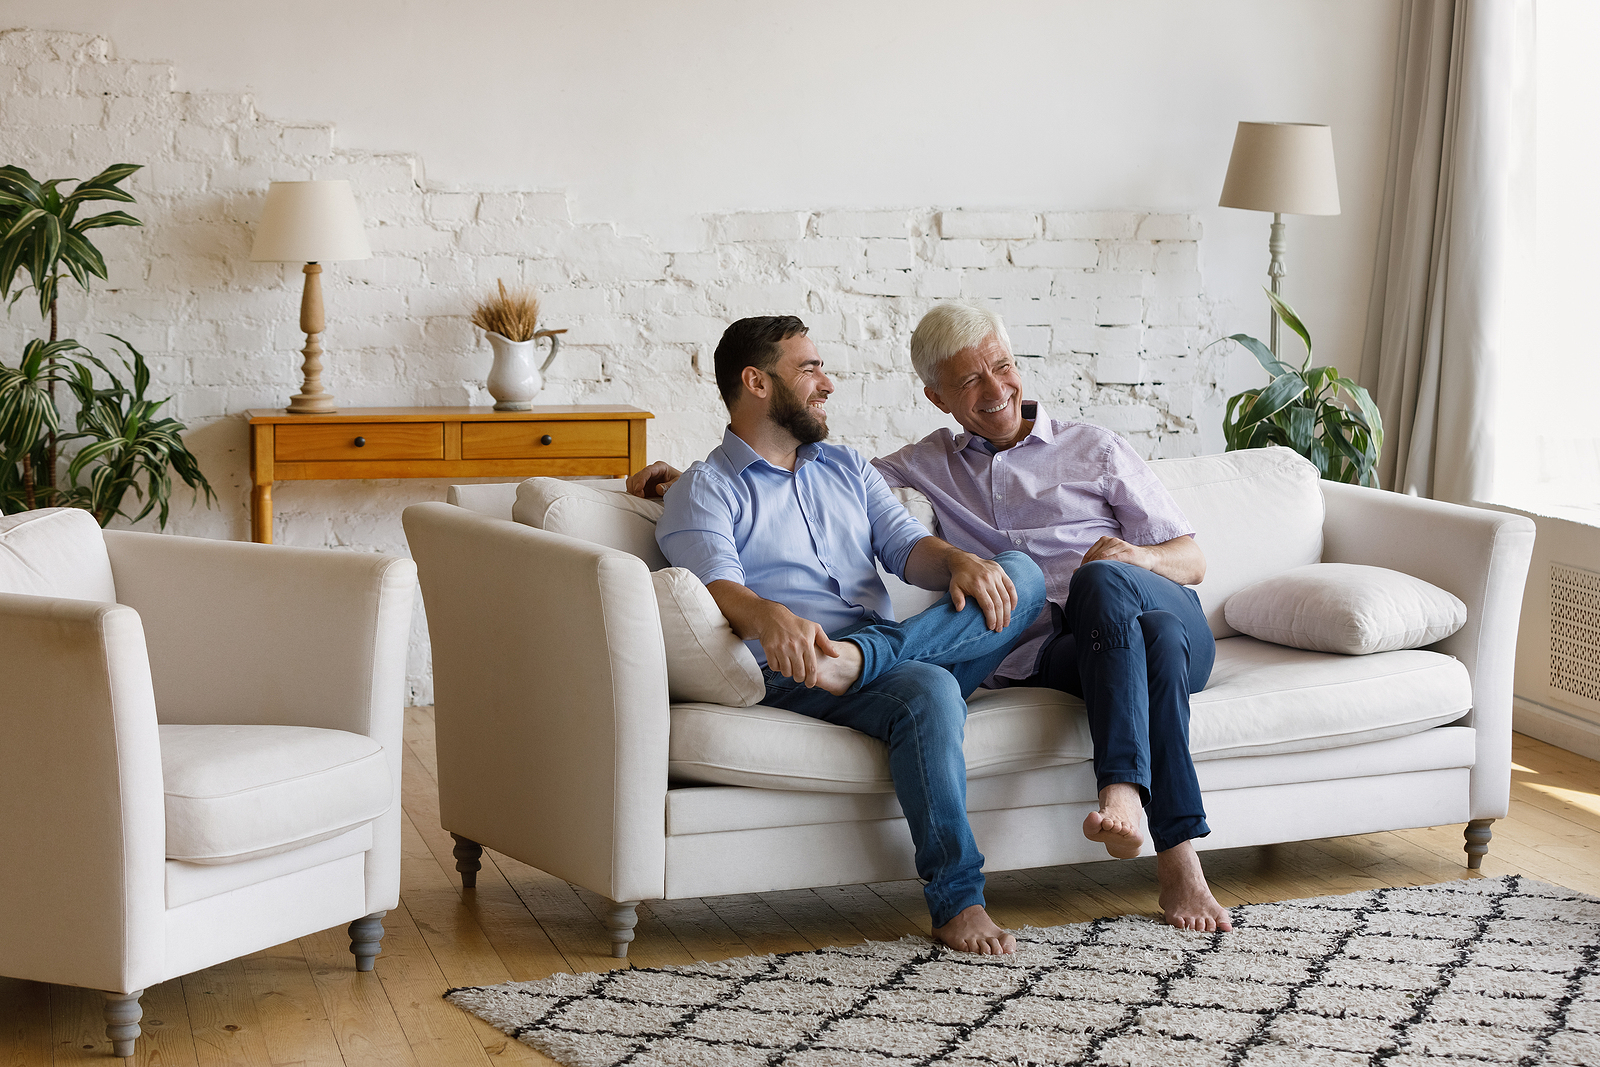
(1301, 425)
(24, 220)
(1276, 396)
(83, 256)
(1291, 320)
(106, 218)
(1262, 353)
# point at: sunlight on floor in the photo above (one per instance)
(1588, 800)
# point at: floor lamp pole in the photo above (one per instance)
(1275, 271)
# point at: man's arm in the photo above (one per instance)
(936, 564)
(1180, 559)
(791, 643)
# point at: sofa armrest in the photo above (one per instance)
(1482, 557)
(550, 686)
(84, 832)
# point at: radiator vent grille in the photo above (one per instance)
(1575, 633)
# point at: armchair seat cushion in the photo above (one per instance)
(1263, 699)
(239, 792)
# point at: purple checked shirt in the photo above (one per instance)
(1052, 495)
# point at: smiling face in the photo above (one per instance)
(799, 391)
(982, 388)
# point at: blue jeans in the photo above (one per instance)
(1134, 645)
(912, 695)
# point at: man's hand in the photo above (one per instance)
(985, 581)
(652, 482)
(793, 645)
(1115, 548)
(1179, 559)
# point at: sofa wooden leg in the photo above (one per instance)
(621, 920)
(1477, 846)
(469, 855)
(122, 1021)
(366, 937)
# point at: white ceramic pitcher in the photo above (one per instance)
(513, 379)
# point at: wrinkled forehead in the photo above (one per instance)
(988, 354)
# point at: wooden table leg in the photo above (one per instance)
(261, 514)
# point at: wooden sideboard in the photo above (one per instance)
(553, 441)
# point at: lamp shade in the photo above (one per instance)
(310, 222)
(1284, 167)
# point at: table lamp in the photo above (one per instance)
(310, 223)
(1285, 168)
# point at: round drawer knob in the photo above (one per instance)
(546, 439)
(361, 442)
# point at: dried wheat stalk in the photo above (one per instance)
(512, 314)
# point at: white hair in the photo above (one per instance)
(948, 329)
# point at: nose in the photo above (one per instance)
(824, 383)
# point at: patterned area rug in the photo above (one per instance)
(1488, 971)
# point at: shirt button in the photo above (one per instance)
(1094, 633)
(1097, 646)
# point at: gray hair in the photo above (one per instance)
(948, 329)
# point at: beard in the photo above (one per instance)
(807, 426)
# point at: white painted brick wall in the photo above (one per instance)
(1110, 302)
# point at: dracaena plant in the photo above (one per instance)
(1316, 411)
(125, 445)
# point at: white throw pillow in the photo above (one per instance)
(1346, 607)
(706, 660)
(55, 552)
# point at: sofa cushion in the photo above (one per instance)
(1263, 699)
(706, 660)
(604, 516)
(237, 792)
(1346, 607)
(55, 552)
(1256, 513)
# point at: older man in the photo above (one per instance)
(784, 529)
(1122, 629)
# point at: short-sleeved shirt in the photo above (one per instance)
(805, 538)
(1052, 495)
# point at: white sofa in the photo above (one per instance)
(199, 752)
(558, 744)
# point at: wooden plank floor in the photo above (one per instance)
(303, 1004)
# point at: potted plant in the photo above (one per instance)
(1301, 408)
(510, 319)
(125, 445)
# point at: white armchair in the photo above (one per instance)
(199, 752)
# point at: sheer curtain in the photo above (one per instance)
(1436, 314)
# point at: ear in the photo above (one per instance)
(927, 391)
(755, 381)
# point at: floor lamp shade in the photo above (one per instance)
(1283, 167)
(310, 223)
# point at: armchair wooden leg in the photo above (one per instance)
(366, 936)
(621, 920)
(122, 1021)
(468, 854)
(1477, 834)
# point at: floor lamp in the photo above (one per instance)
(1285, 168)
(310, 223)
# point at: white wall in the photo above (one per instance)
(685, 185)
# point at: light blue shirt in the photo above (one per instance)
(806, 539)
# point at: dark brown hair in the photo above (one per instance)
(751, 342)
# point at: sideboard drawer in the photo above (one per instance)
(359, 440)
(540, 440)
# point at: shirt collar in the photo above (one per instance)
(740, 455)
(1042, 429)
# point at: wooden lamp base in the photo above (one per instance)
(312, 399)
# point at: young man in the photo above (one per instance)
(1121, 631)
(784, 530)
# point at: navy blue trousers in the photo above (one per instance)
(1134, 645)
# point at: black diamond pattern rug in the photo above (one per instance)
(1484, 971)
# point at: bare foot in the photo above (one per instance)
(1116, 824)
(1186, 900)
(973, 931)
(838, 673)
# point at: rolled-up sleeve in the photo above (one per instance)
(1143, 508)
(895, 531)
(696, 527)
